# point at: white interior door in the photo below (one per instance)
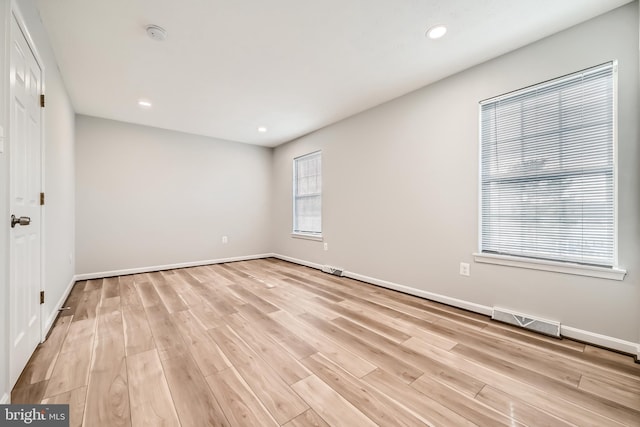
(25, 169)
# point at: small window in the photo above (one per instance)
(548, 175)
(307, 194)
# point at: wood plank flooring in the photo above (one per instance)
(269, 343)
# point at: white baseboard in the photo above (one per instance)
(467, 305)
(113, 273)
(396, 287)
(6, 399)
(54, 313)
(298, 261)
(566, 331)
(600, 340)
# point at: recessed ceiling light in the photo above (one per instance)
(436, 32)
(144, 103)
(262, 129)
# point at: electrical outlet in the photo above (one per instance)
(225, 240)
(326, 246)
(464, 269)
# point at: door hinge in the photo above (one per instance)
(41, 297)
(41, 199)
(42, 100)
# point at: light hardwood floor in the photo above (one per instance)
(268, 343)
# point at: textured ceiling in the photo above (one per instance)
(293, 66)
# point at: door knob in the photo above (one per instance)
(23, 220)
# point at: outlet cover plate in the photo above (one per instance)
(464, 269)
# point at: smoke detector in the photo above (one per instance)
(156, 32)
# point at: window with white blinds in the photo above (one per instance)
(548, 176)
(307, 194)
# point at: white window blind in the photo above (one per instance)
(307, 191)
(548, 170)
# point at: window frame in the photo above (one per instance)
(300, 234)
(614, 272)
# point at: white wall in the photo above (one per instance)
(400, 187)
(58, 179)
(59, 188)
(150, 197)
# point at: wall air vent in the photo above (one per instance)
(543, 326)
(336, 271)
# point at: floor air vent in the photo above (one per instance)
(336, 271)
(543, 326)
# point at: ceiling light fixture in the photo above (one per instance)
(262, 129)
(156, 33)
(143, 103)
(436, 32)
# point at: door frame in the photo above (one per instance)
(16, 15)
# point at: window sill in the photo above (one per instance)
(306, 236)
(555, 266)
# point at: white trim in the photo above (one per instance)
(467, 305)
(613, 273)
(54, 313)
(298, 261)
(302, 234)
(44, 328)
(112, 273)
(616, 236)
(479, 176)
(545, 84)
(22, 23)
(6, 399)
(600, 340)
(566, 331)
(307, 236)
